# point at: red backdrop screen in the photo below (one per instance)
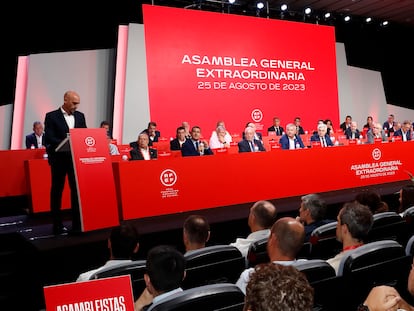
(203, 67)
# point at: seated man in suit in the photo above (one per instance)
(179, 139)
(257, 135)
(123, 244)
(290, 140)
(35, 139)
(346, 124)
(249, 143)
(376, 133)
(152, 132)
(352, 131)
(276, 127)
(165, 273)
(404, 131)
(299, 128)
(141, 149)
(322, 136)
(196, 232)
(388, 125)
(195, 146)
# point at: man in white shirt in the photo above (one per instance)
(123, 244)
(261, 218)
(141, 149)
(285, 241)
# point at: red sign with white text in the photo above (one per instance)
(203, 67)
(193, 183)
(109, 294)
(96, 186)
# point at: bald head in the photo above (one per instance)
(287, 235)
(263, 215)
(71, 101)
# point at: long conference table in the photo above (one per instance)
(174, 184)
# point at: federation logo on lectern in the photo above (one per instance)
(257, 115)
(168, 177)
(90, 141)
(376, 154)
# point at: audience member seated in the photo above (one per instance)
(261, 218)
(312, 213)
(220, 138)
(346, 124)
(322, 136)
(196, 232)
(276, 128)
(373, 200)
(274, 287)
(329, 124)
(290, 140)
(123, 244)
(388, 125)
(141, 150)
(384, 297)
(299, 128)
(107, 126)
(165, 272)
(376, 133)
(406, 198)
(36, 139)
(352, 131)
(369, 125)
(152, 132)
(113, 149)
(353, 224)
(257, 135)
(195, 146)
(179, 139)
(186, 125)
(404, 131)
(249, 142)
(285, 241)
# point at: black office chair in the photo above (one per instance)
(408, 216)
(135, 269)
(324, 243)
(223, 297)
(257, 252)
(388, 226)
(315, 269)
(213, 264)
(377, 263)
(409, 247)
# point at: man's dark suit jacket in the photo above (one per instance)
(244, 145)
(327, 139)
(175, 144)
(56, 130)
(273, 129)
(137, 155)
(343, 126)
(300, 131)
(348, 133)
(157, 135)
(390, 129)
(188, 149)
(31, 140)
(399, 133)
(284, 141)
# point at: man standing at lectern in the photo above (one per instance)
(57, 125)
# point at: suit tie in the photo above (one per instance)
(251, 146)
(277, 131)
(196, 145)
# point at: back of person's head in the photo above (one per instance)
(316, 206)
(197, 229)
(406, 197)
(274, 287)
(265, 214)
(371, 199)
(123, 241)
(290, 235)
(358, 218)
(165, 268)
